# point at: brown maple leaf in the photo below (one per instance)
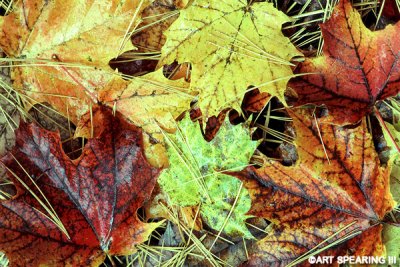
(358, 67)
(342, 190)
(91, 202)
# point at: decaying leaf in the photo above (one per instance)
(231, 46)
(358, 67)
(157, 17)
(317, 198)
(72, 212)
(152, 102)
(196, 174)
(62, 48)
(9, 119)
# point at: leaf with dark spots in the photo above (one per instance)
(337, 187)
(91, 201)
(358, 67)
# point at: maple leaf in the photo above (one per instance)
(391, 238)
(391, 131)
(317, 198)
(196, 173)
(65, 47)
(232, 45)
(152, 102)
(358, 67)
(93, 199)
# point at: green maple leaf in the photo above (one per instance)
(391, 133)
(391, 238)
(195, 174)
(391, 234)
(232, 45)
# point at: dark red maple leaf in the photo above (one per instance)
(390, 9)
(95, 197)
(358, 67)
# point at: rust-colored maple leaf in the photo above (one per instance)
(358, 67)
(347, 194)
(91, 202)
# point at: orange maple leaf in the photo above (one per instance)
(337, 187)
(62, 48)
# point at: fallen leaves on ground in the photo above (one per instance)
(62, 48)
(358, 67)
(81, 209)
(152, 102)
(223, 41)
(336, 187)
(195, 175)
(216, 57)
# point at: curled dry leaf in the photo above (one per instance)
(231, 46)
(77, 210)
(315, 199)
(62, 48)
(358, 67)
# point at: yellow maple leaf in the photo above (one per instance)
(152, 102)
(232, 45)
(63, 47)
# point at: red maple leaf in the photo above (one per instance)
(74, 212)
(358, 67)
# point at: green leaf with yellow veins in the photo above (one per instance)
(232, 45)
(196, 174)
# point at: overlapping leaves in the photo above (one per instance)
(63, 48)
(337, 188)
(358, 67)
(83, 209)
(224, 40)
(196, 174)
(77, 209)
